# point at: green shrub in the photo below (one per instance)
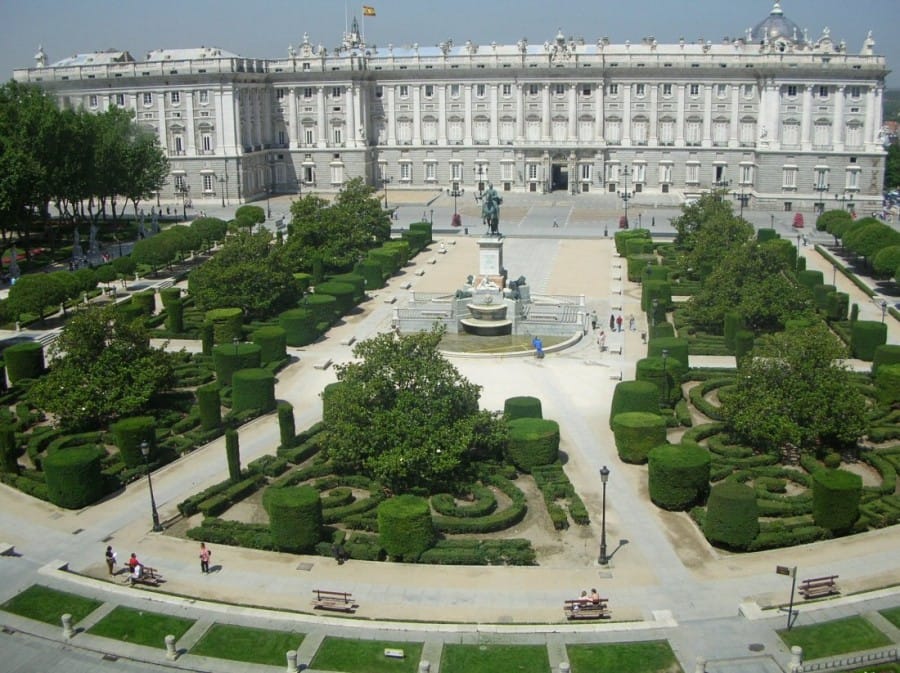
(678, 475)
(405, 529)
(130, 433)
(677, 350)
(667, 381)
(167, 294)
(533, 442)
(766, 234)
(226, 323)
(836, 498)
(733, 322)
(145, 301)
(230, 358)
(865, 337)
(634, 396)
(622, 237)
(299, 325)
(637, 263)
(372, 273)
(74, 476)
(836, 306)
(743, 343)
(885, 354)
(253, 389)
(354, 279)
(522, 407)
(424, 227)
(272, 342)
(210, 403)
(295, 517)
(175, 315)
(233, 454)
(662, 328)
(732, 516)
(24, 361)
(887, 385)
(661, 291)
(484, 503)
(636, 432)
(286, 428)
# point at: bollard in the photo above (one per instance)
(18, 326)
(171, 652)
(68, 631)
(424, 666)
(564, 667)
(796, 663)
(291, 661)
(701, 665)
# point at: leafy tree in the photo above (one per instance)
(210, 229)
(834, 222)
(248, 273)
(103, 368)
(106, 274)
(794, 389)
(708, 208)
(892, 168)
(404, 415)
(125, 266)
(35, 293)
(868, 239)
(886, 261)
(255, 214)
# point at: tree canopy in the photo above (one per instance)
(103, 368)
(404, 415)
(794, 389)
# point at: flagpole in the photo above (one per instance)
(363, 36)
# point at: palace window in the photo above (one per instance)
(175, 97)
(203, 97)
(207, 183)
(694, 90)
(148, 98)
(789, 177)
(506, 91)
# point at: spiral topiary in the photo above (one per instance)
(732, 516)
(227, 359)
(24, 361)
(865, 337)
(533, 442)
(130, 433)
(637, 432)
(252, 389)
(295, 517)
(522, 407)
(272, 341)
(209, 401)
(678, 475)
(405, 528)
(74, 476)
(836, 497)
(299, 325)
(634, 396)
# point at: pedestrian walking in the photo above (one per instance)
(555, 224)
(619, 323)
(593, 320)
(601, 341)
(612, 323)
(111, 560)
(205, 553)
(631, 323)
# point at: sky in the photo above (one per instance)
(265, 28)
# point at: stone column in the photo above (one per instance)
(417, 115)
(352, 139)
(598, 111)
(68, 631)
(735, 126)
(468, 111)
(545, 112)
(653, 121)
(626, 113)
(424, 666)
(520, 112)
(707, 116)
(442, 114)
(390, 115)
(573, 113)
(171, 652)
(796, 663)
(679, 117)
(495, 115)
(837, 123)
(292, 118)
(291, 661)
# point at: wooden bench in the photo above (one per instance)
(817, 587)
(323, 365)
(581, 609)
(340, 601)
(149, 577)
(616, 349)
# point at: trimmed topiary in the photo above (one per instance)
(372, 272)
(522, 407)
(130, 310)
(836, 496)
(299, 325)
(227, 359)
(837, 305)
(743, 343)
(272, 342)
(639, 246)
(24, 361)
(175, 315)
(677, 349)
(661, 290)
(733, 322)
(233, 455)
(424, 227)
(887, 384)
(533, 442)
(402, 248)
(324, 307)
(666, 380)
(167, 294)
(634, 396)
(354, 279)
(295, 517)
(226, 324)
(766, 234)
(732, 516)
(328, 397)
(207, 338)
(388, 257)
(678, 475)
(405, 528)
(654, 272)
(252, 389)
(146, 301)
(637, 432)
(885, 354)
(74, 476)
(865, 337)
(209, 400)
(342, 293)
(286, 428)
(810, 278)
(303, 280)
(9, 450)
(820, 296)
(622, 237)
(130, 433)
(662, 328)
(418, 240)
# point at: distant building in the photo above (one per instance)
(789, 120)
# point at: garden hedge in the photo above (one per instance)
(207, 338)
(252, 389)
(343, 294)
(372, 272)
(732, 516)
(837, 306)
(299, 325)
(621, 238)
(533, 442)
(733, 322)
(636, 265)
(677, 349)
(418, 240)
(766, 234)
(522, 407)
(638, 246)
(887, 384)
(146, 300)
(885, 354)
(129, 433)
(24, 361)
(295, 517)
(810, 278)
(865, 337)
(175, 315)
(661, 290)
(233, 454)
(209, 401)
(836, 498)
(678, 475)
(272, 341)
(167, 294)
(820, 296)
(324, 308)
(226, 324)
(636, 432)
(667, 381)
(74, 476)
(424, 227)
(130, 310)
(402, 248)
(634, 396)
(405, 529)
(662, 327)
(9, 450)
(303, 280)
(286, 428)
(743, 343)
(388, 258)
(227, 359)
(354, 279)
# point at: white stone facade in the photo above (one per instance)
(788, 121)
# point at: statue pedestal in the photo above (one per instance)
(490, 262)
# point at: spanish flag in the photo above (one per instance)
(368, 10)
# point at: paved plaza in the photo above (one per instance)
(664, 580)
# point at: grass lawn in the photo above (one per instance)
(141, 627)
(892, 615)
(48, 605)
(837, 637)
(365, 656)
(647, 657)
(239, 643)
(490, 658)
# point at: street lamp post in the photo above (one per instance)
(743, 198)
(268, 203)
(604, 477)
(883, 310)
(222, 189)
(665, 357)
(145, 451)
(625, 195)
(721, 186)
(455, 192)
(655, 306)
(385, 181)
(820, 188)
(481, 171)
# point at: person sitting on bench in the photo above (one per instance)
(137, 572)
(595, 597)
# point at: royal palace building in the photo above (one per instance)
(784, 119)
